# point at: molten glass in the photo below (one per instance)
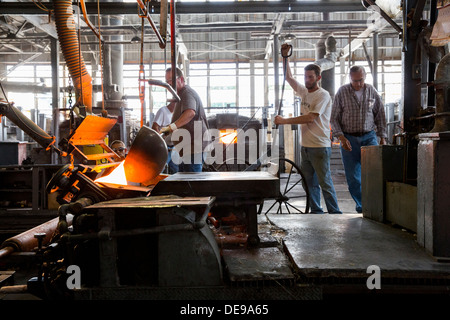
(117, 176)
(228, 136)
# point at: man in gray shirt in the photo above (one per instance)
(357, 118)
(190, 116)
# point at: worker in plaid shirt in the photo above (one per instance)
(357, 118)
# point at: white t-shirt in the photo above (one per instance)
(317, 133)
(163, 117)
(359, 94)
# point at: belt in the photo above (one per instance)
(357, 134)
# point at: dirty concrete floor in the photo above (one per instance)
(346, 245)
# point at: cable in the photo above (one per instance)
(101, 54)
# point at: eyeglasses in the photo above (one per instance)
(359, 80)
(121, 149)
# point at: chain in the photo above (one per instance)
(70, 93)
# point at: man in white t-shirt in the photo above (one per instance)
(162, 119)
(316, 142)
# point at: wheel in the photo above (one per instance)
(294, 195)
(53, 184)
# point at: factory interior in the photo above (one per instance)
(77, 75)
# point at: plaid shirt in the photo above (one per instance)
(350, 115)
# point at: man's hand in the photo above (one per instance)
(345, 143)
(286, 49)
(170, 128)
(382, 141)
(165, 130)
(279, 120)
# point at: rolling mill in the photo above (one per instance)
(127, 229)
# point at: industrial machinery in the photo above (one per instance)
(408, 176)
(151, 232)
(125, 230)
(129, 228)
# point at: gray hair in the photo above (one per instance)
(356, 69)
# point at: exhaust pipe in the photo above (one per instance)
(68, 39)
(28, 126)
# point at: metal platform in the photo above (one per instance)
(334, 251)
(224, 186)
(237, 193)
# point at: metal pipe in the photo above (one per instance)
(328, 61)
(163, 20)
(86, 19)
(326, 57)
(433, 115)
(162, 42)
(107, 234)
(375, 60)
(14, 289)
(28, 126)
(386, 17)
(26, 241)
(163, 84)
(55, 94)
(173, 45)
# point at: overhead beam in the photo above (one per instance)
(276, 29)
(377, 26)
(110, 8)
(43, 24)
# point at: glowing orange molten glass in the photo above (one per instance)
(117, 176)
(228, 136)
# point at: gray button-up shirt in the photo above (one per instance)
(352, 115)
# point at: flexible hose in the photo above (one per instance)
(68, 39)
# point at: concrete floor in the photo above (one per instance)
(342, 247)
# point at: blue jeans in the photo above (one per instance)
(195, 165)
(352, 164)
(315, 166)
(173, 168)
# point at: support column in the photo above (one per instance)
(237, 87)
(266, 83)
(252, 87)
(276, 71)
(55, 94)
(411, 102)
(375, 60)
